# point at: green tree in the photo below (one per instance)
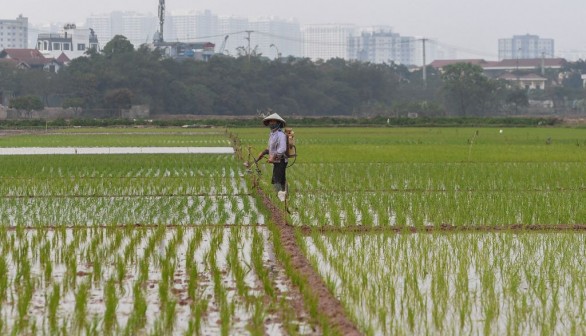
(518, 98)
(466, 90)
(27, 104)
(75, 103)
(8, 80)
(118, 99)
(118, 45)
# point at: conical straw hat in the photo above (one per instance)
(273, 116)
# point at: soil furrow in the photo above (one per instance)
(327, 303)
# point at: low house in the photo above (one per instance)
(526, 73)
(529, 81)
(72, 41)
(30, 59)
(199, 51)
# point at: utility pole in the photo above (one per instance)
(517, 70)
(161, 20)
(543, 63)
(424, 64)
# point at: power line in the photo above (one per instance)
(467, 50)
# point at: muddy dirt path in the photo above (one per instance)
(514, 228)
(328, 304)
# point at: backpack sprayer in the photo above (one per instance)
(291, 148)
(291, 152)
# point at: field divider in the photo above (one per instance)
(199, 177)
(307, 230)
(415, 190)
(328, 305)
(124, 226)
(113, 150)
(123, 196)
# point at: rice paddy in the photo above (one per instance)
(414, 230)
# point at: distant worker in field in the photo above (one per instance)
(277, 150)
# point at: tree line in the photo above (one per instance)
(121, 76)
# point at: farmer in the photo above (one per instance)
(277, 153)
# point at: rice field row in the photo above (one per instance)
(422, 208)
(112, 150)
(181, 281)
(487, 283)
(439, 176)
(457, 284)
(107, 139)
(65, 167)
(160, 185)
(132, 280)
(124, 210)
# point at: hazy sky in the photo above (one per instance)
(469, 25)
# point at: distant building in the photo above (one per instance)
(102, 26)
(526, 81)
(276, 37)
(199, 51)
(527, 65)
(525, 73)
(326, 41)
(73, 42)
(180, 26)
(137, 28)
(381, 46)
(526, 47)
(14, 33)
(29, 59)
(228, 38)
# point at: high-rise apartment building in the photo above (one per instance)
(137, 28)
(526, 47)
(231, 31)
(206, 25)
(192, 26)
(102, 26)
(418, 44)
(268, 36)
(180, 26)
(14, 33)
(326, 41)
(381, 45)
(276, 38)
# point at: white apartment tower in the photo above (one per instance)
(14, 33)
(326, 41)
(234, 28)
(180, 26)
(276, 38)
(417, 45)
(526, 47)
(381, 45)
(102, 26)
(137, 28)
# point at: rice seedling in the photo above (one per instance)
(81, 298)
(111, 301)
(464, 284)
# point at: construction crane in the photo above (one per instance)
(161, 20)
(223, 44)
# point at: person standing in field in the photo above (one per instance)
(277, 149)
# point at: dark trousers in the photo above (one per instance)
(279, 179)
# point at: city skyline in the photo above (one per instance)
(472, 28)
